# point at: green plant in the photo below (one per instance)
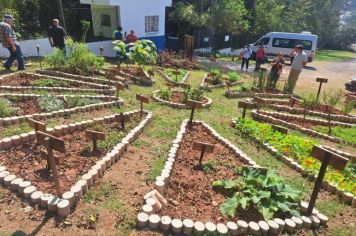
(165, 94)
(85, 28)
(268, 193)
(7, 108)
(143, 52)
(57, 59)
(209, 166)
(216, 77)
(347, 108)
(49, 103)
(49, 83)
(79, 102)
(308, 102)
(331, 98)
(196, 94)
(119, 46)
(178, 76)
(233, 77)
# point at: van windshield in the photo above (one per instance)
(291, 43)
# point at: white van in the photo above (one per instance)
(276, 42)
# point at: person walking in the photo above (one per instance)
(57, 35)
(300, 60)
(276, 70)
(131, 38)
(118, 35)
(246, 54)
(260, 57)
(8, 40)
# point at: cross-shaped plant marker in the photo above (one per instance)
(119, 87)
(142, 100)
(228, 85)
(37, 125)
(245, 105)
(321, 81)
(94, 136)
(327, 158)
(203, 148)
(193, 105)
(293, 100)
(51, 143)
(122, 118)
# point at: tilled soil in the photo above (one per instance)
(178, 96)
(190, 191)
(29, 81)
(29, 161)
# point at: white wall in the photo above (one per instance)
(101, 30)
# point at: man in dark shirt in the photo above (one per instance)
(57, 35)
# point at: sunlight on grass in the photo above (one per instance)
(334, 55)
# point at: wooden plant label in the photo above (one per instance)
(280, 129)
(321, 81)
(228, 84)
(52, 143)
(293, 100)
(119, 87)
(193, 105)
(94, 136)
(37, 125)
(203, 148)
(327, 158)
(122, 118)
(245, 105)
(142, 100)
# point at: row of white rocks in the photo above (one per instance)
(69, 199)
(154, 202)
(156, 98)
(346, 197)
(8, 121)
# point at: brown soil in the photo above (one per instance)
(191, 187)
(177, 97)
(28, 108)
(29, 161)
(321, 108)
(28, 80)
(135, 71)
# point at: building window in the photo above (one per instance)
(106, 20)
(151, 24)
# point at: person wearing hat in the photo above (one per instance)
(8, 40)
(56, 35)
(300, 60)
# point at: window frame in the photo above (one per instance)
(151, 24)
(293, 43)
(107, 21)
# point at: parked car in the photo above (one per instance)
(276, 42)
(351, 86)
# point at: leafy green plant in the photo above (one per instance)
(233, 77)
(79, 102)
(308, 102)
(49, 83)
(85, 28)
(268, 193)
(195, 94)
(165, 94)
(49, 103)
(216, 77)
(177, 77)
(119, 46)
(143, 52)
(331, 98)
(209, 166)
(7, 108)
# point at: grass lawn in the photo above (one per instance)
(347, 134)
(334, 55)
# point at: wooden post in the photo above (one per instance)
(121, 118)
(37, 125)
(321, 81)
(293, 100)
(193, 105)
(245, 105)
(327, 158)
(142, 100)
(52, 143)
(94, 136)
(119, 87)
(228, 85)
(203, 148)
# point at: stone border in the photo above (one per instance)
(207, 86)
(266, 118)
(69, 199)
(264, 101)
(171, 81)
(233, 94)
(154, 201)
(293, 110)
(177, 105)
(138, 80)
(97, 88)
(346, 197)
(8, 121)
(299, 118)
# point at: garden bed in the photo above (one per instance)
(168, 75)
(185, 197)
(209, 82)
(246, 93)
(176, 99)
(78, 168)
(136, 75)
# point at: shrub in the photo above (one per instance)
(6, 108)
(216, 77)
(177, 77)
(143, 52)
(233, 77)
(49, 103)
(165, 94)
(195, 94)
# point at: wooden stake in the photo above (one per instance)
(245, 105)
(37, 125)
(193, 105)
(121, 118)
(142, 100)
(119, 87)
(293, 100)
(203, 148)
(321, 81)
(94, 136)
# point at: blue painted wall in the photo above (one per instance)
(160, 41)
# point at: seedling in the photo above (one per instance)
(51, 143)
(280, 129)
(203, 148)
(245, 105)
(121, 118)
(38, 126)
(193, 105)
(321, 81)
(142, 100)
(327, 158)
(185, 86)
(94, 136)
(119, 87)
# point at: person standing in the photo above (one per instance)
(260, 57)
(8, 40)
(57, 35)
(292, 54)
(276, 70)
(246, 54)
(118, 35)
(131, 37)
(300, 60)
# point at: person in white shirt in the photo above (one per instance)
(246, 54)
(300, 60)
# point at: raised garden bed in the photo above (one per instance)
(17, 108)
(79, 167)
(135, 74)
(209, 81)
(185, 201)
(176, 99)
(177, 80)
(34, 82)
(294, 151)
(243, 92)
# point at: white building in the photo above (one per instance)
(145, 17)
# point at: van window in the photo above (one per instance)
(262, 41)
(291, 43)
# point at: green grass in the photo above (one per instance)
(49, 83)
(15, 130)
(346, 134)
(334, 55)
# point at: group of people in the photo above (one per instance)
(118, 35)
(298, 60)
